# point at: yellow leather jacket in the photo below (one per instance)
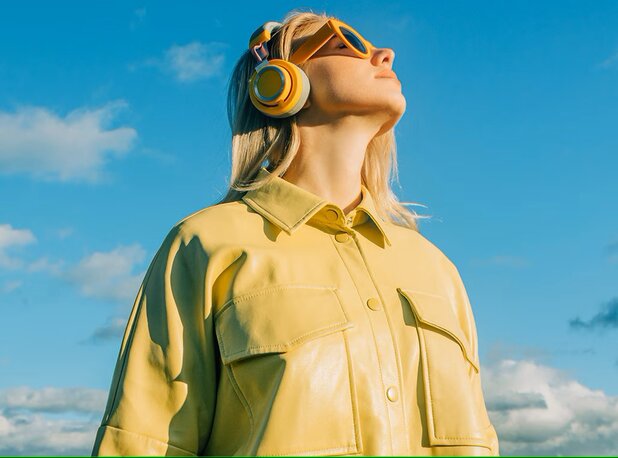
(277, 325)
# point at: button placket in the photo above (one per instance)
(386, 352)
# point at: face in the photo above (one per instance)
(343, 84)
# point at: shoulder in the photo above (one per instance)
(421, 245)
(214, 224)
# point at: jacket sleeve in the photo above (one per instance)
(163, 388)
(466, 318)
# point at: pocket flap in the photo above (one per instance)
(436, 312)
(276, 319)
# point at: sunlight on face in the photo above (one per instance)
(344, 84)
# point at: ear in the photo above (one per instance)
(307, 103)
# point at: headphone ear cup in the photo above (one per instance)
(305, 88)
(279, 89)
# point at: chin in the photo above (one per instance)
(396, 105)
(388, 125)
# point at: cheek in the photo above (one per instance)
(330, 85)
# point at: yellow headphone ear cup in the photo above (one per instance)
(279, 89)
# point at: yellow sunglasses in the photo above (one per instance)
(352, 39)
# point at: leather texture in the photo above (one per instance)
(277, 325)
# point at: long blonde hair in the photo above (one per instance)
(259, 140)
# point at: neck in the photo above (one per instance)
(330, 159)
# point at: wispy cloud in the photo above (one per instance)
(194, 61)
(11, 237)
(504, 261)
(52, 399)
(104, 275)
(110, 331)
(607, 317)
(49, 421)
(108, 275)
(610, 61)
(11, 285)
(190, 62)
(539, 410)
(49, 147)
(45, 265)
(139, 15)
(611, 251)
(64, 232)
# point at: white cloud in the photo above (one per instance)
(191, 62)
(107, 275)
(52, 399)
(539, 410)
(11, 237)
(45, 265)
(35, 141)
(49, 421)
(536, 409)
(194, 61)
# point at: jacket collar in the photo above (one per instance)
(289, 206)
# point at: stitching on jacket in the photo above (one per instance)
(286, 346)
(124, 431)
(277, 220)
(344, 448)
(267, 290)
(241, 396)
(290, 343)
(302, 219)
(463, 344)
(351, 379)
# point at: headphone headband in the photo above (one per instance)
(264, 33)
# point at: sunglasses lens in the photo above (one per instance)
(353, 39)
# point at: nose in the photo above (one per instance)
(382, 55)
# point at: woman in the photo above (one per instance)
(303, 314)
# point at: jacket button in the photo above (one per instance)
(332, 215)
(391, 393)
(374, 304)
(342, 237)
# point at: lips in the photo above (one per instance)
(387, 74)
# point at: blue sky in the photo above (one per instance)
(113, 127)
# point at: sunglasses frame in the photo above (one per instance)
(325, 33)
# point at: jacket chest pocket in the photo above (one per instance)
(454, 405)
(285, 351)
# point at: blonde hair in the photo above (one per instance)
(259, 140)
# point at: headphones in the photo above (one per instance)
(277, 88)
